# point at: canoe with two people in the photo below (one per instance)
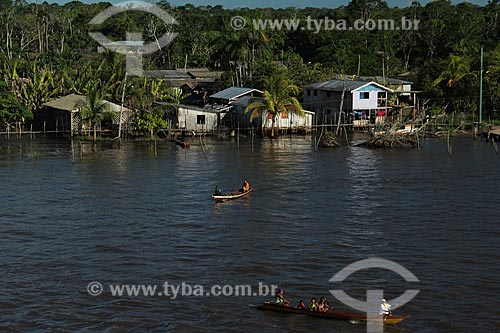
(244, 190)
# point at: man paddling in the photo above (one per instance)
(280, 299)
(385, 309)
(245, 187)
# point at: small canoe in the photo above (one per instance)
(331, 314)
(231, 195)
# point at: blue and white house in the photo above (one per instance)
(363, 103)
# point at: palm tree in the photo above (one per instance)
(455, 81)
(278, 100)
(243, 49)
(93, 109)
(458, 68)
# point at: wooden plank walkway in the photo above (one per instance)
(492, 133)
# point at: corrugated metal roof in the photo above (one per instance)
(67, 103)
(200, 73)
(191, 84)
(206, 75)
(71, 103)
(243, 101)
(169, 74)
(388, 80)
(338, 85)
(233, 93)
(207, 109)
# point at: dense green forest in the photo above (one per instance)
(46, 51)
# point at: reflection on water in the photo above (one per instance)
(364, 178)
(74, 212)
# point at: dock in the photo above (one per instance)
(493, 133)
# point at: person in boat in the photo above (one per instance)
(245, 187)
(301, 305)
(314, 306)
(385, 309)
(323, 305)
(217, 191)
(280, 299)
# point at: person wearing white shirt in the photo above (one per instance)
(385, 308)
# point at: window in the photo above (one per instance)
(364, 95)
(315, 92)
(308, 92)
(200, 119)
(328, 94)
(381, 99)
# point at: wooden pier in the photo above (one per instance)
(492, 133)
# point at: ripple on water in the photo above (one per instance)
(124, 216)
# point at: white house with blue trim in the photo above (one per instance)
(238, 98)
(365, 101)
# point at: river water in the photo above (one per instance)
(72, 213)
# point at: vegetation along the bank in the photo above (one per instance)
(47, 52)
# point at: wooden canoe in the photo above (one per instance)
(331, 314)
(231, 195)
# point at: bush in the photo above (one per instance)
(149, 123)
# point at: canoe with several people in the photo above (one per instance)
(323, 309)
(244, 190)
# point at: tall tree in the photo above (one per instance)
(458, 67)
(492, 82)
(455, 82)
